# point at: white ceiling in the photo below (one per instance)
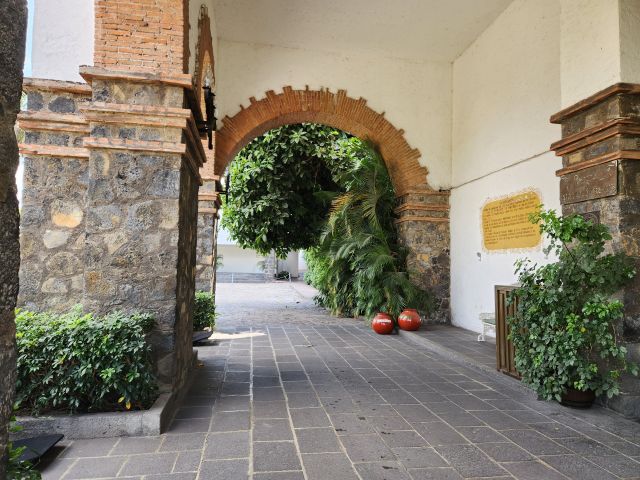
(436, 30)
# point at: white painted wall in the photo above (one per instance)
(416, 96)
(590, 34)
(62, 38)
(237, 260)
(505, 87)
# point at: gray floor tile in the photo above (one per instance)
(181, 442)
(275, 456)
(326, 466)
(366, 448)
(227, 445)
(382, 471)
(505, 452)
(98, 447)
(317, 440)
(95, 467)
(534, 442)
(279, 476)
(309, 417)
(230, 421)
(439, 433)
(149, 463)
(532, 471)
(276, 409)
(132, 445)
(574, 466)
(470, 461)
(271, 429)
(419, 457)
(403, 438)
(435, 474)
(224, 469)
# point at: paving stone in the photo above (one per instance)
(350, 423)
(403, 438)
(227, 445)
(435, 474)
(532, 471)
(186, 441)
(366, 448)
(225, 469)
(148, 464)
(188, 461)
(275, 456)
(170, 476)
(276, 409)
(470, 461)
(230, 421)
(268, 394)
(586, 446)
(382, 471)
(232, 404)
(191, 425)
(554, 430)
(534, 442)
(132, 445)
(505, 452)
(574, 466)
(98, 447)
(415, 413)
(388, 423)
(279, 476)
(439, 433)
(481, 434)
(317, 440)
(326, 466)
(309, 417)
(271, 430)
(194, 412)
(620, 465)
(273, 381)
(95, 467)
(302, 400)
(421, 457)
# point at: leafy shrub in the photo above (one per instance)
(564, 329)
(359, 266)
(283, 275)
(80, 362)
(204, 312)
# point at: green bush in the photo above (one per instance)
(17, 470)
(80, 362)
(564, 331)
(204, 312)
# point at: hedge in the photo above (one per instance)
(79, 362)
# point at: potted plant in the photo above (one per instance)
(564, 331)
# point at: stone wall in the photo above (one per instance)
(423, 227)
(54, 196)
(110, 195)
(208, 204)
(13, 25)
(600, 149)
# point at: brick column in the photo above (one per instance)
(600, 178)
(423, 228)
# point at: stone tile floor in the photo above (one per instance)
(290, 393)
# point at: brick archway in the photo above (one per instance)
(333, 109)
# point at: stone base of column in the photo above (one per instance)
(423, 227)
(600, 149)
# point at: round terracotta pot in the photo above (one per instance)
(577, 398)
(409, 319)
(382, 323)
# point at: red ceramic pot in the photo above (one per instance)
(409, 319)
(382, 323)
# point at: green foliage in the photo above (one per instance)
(204, 312)
(80, 362)
(563, 332)
(279, 182)
(17, 470)
(359, 267)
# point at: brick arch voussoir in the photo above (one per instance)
(322, 106)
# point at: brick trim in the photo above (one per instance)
(322, 106)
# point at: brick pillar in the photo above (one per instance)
(142, 35)
(423, 227)
(600, 178)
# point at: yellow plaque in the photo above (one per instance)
(506, 225)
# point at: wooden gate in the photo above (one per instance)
(505, 352)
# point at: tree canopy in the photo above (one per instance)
(282, 184)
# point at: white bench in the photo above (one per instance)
(488, 325)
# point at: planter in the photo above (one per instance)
(409, 319)
(577, 398)
(382, 323)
